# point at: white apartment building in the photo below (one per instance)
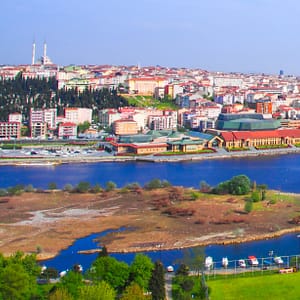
(166, 121)
(78, 115)
(50, 116)
(67, 130)
(15, 117)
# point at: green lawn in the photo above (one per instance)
(149, 101)
(270, 287)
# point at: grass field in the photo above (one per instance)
(271, 287)
(149, 101)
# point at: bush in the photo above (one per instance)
(3, 192)
(52, 186)
(68, 187)
(83, 187)
(97, 188)
(110, 186)
(248, 206)
(29, 188)
(255, 196)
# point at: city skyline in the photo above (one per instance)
(228, 36)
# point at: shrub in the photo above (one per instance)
(68, 187)
(248, 206)
(110, 186)
(83, 187)
(3, 192)
(255, 196)
(52, 186)
(29, 188)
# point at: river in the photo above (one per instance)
(278, 172)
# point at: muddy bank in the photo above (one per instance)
(46, 223)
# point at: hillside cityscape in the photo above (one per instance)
(140, 109)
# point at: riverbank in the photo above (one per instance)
(17, 158)
(46, 223)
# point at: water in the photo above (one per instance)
(286, 245)
(278, 172)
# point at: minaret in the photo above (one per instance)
(33, 54)
(45, 53)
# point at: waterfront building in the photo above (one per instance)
(245, 121)
(67, 130)
(38, 130)
(260, 138)
(10, 130)
(125, 127)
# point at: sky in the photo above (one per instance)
(260, 36)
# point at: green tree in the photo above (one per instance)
(52, 186)
(153, 184)
(134, 292)
(29, 188)
(3, 192)
(239, 185)
(110, 186)
(83, 126)
(183, 270)
(141, 270)
(194, 258)
(103, 252)
(15, 283)
(204, 187)
(99, 291)
(187, 284)
(97, 188)
(72, 282)
(112, 271)
(60, 294)
(68, 187)
(83, 187)
(157, 282)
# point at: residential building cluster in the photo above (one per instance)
(209, 102)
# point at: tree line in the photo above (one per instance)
(22, 278)
(21, 94)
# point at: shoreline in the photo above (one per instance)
(219, 154)
(261, 237)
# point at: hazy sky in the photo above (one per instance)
(218, 35)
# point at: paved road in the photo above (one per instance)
(168, 285)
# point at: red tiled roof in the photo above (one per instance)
(68, 124)
(244, 135)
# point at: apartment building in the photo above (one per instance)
(15, 117)
(78, 115)
(10, 130)
(125, 127)
(146, 85)
(67, 130)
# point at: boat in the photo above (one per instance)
(225, 262)
(170, 269)
(278, 260)
(253, 261)
(208, 262)
(242, 263)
